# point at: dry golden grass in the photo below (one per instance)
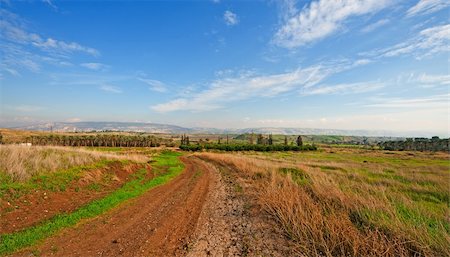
(23, 162)
(353, 202)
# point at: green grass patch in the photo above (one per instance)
(55, 181)
(298, 176)
(167, 161)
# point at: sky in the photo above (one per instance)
(347, 64)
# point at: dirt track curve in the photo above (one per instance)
(195, 214)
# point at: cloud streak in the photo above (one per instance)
(424, 7)
(434, 101)
(21, 49)
(111, 89)
(155, 85)
(13, 31)
(321, 19)
(428, 42)
(375, 25)
(248, 85)
(343, 89)
(94, 66)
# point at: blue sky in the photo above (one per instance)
(348, 64)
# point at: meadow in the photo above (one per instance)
(353, 202)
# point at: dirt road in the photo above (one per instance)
(196, 214)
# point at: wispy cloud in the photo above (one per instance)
(51, 4)
(427, 7)
(22, 49)
(111, 89)
(248, 85)
(13, 30)
(375, 25)
(155, 85)
(344, 89)
(322, 18)
(433, 101)
(434, 80)
(94, 66)
(230, 18)
(428, 42)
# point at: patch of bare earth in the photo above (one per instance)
(40, 205)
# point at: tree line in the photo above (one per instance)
(99, 140)
(417, 144)
(263, 144)
(247, 147)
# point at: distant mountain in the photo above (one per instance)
(172, 129)
(108, 126)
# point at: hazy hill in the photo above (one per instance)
(173, 129)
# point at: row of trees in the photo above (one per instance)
(263, 143)
(248, 147)
(99, 140)
(417, 144)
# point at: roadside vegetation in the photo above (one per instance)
(352, 202)
(19, 163)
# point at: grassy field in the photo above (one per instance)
(354, 202)
(20, 163)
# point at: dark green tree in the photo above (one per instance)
(299, 141)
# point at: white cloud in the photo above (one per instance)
(51, 44)
(21, 49)
(111, 89)
(434, 101)
(230, 18)
(352, 88)
(155, 85)
(322, 18)
(434, 80)
(248, 85)
(94, 66)
(375, 25)
(427, 7)
(13, 30)
(428, 42)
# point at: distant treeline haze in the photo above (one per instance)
(417, 144)
(100, 140)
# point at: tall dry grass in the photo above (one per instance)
(22, 162)
(338, 212)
